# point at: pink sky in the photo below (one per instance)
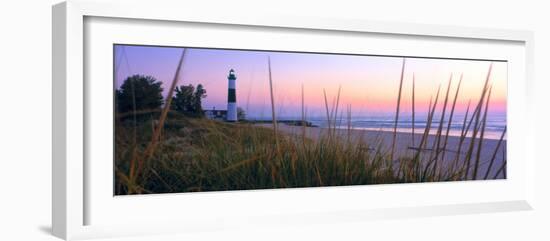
(369, 83)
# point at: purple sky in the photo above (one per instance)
(369, 84)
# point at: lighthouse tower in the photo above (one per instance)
(231, 97)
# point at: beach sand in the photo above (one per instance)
(404, 145)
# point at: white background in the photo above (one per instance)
(25, 120)
(230, 207)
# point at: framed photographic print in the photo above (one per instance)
(206, 122)
(276, 128)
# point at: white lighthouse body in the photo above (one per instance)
(231, 97)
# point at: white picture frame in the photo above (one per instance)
(73, 192)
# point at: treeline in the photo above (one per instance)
(144, 93)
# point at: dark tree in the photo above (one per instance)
(183, 99)
(241, 114)
(145, 92)
(200, 93)
(188, 101)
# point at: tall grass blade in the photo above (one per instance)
(482, 134)
(303, 118)
(437, 144)
(328, 113)
(501, 169)
(416, 159)
(155, 137)
(427, 130)
(349, 123)
(425, 135)
(413, 111)
(477, 116)
(273, 116)
(336, 109)
(495, 154)
(397, 113)
(451, 118)
(462, 136)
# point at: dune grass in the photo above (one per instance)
(206, 155)
(198, 154)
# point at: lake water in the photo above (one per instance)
(493, 130)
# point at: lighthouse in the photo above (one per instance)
(231, 97)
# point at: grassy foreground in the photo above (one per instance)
(206, 155)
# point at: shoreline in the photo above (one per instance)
(489, 134)
(404, 144)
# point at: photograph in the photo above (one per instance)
(191, 119)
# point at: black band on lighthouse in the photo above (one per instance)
(231, 96)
